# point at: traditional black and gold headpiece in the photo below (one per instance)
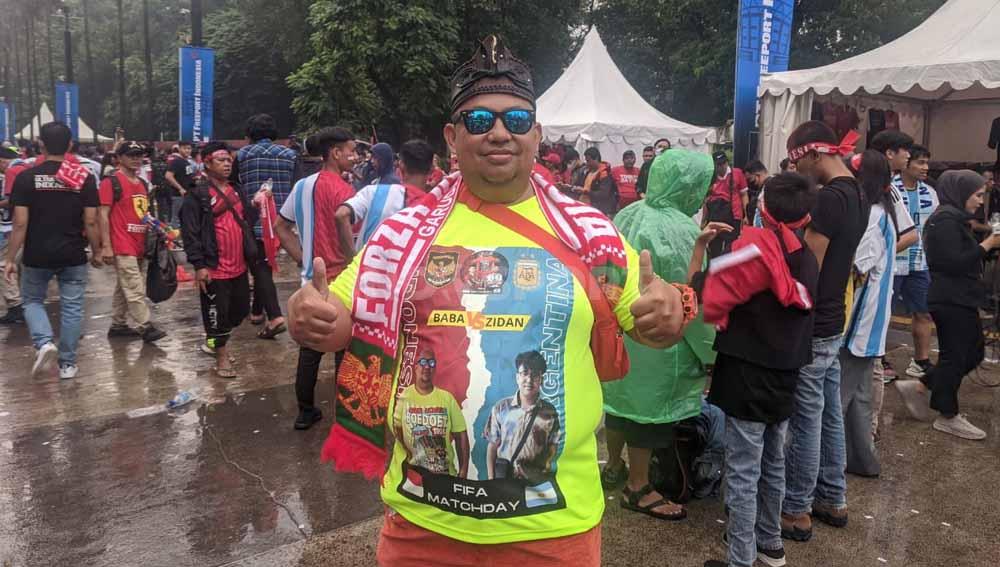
(492, 60)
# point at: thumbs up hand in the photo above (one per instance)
(659, 313)
(311, 318)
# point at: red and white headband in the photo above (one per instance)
(846, 147)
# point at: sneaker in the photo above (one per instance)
(207, 349)
(68, 371)
(888, 374)
(959, 427)
(716, 563)
(151, 334)
(121, 331)
(307, 417)
(771, 557)
(830, 515)
(916, 398)
(45, 357)
(796, 527)
(13, 316)
(915, 370)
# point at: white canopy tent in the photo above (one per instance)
(45, 115)
(942, 78)
(593, 105)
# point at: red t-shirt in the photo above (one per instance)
(330, 192)
(128, 233)
(228, 235)
(720, 190)
(625, 179)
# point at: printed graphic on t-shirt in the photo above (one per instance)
(493, 340)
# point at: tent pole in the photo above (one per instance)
(928, 110)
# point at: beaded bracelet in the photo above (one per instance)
(689, 300)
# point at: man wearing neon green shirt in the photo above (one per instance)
(475, 272)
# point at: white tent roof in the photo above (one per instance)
(955, 49)
(45, 115)
(593, 100)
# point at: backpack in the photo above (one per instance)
(116, 187)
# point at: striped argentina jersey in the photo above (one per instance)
(920, 203)
(873, 265)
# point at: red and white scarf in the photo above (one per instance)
(391, 258)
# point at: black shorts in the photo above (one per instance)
(224, 307)
(642, 435)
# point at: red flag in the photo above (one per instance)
(269, 216)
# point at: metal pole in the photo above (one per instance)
(150, 102)
(29, 64)
(48, 50)
(67, 46)
(121, 67)
(196, 15)
(97, 120)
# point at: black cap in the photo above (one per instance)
(720, 156)
(130, 147)
(8, 151)
(492, 60)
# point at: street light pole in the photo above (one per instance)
(67, 44)
(150, 102)
(196, 14)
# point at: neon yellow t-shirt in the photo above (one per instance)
(425, 423)
(487, 301)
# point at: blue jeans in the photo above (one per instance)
(755, 485)
(34, 286)
(817, 454)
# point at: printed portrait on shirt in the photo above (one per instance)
(479, 402)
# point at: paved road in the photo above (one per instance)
(94, 472)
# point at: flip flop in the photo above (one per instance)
(631, 502)
(225, 372)
(271, 332)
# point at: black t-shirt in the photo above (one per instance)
(183, 172)
(841, 214)
(55, 216)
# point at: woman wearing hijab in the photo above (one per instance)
(663, 387)
(955, 261)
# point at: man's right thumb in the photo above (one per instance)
(319, 277)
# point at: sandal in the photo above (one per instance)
(272, 332)
(630, 501)
(611, 478)
(225, 372)
(257, 320)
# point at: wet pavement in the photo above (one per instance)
(94, 471)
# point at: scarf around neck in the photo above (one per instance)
(357, 440)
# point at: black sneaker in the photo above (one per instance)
(716, 563)
(307, 417)
(151, 334)
(13, 316)
(771, 557)
(122, 331)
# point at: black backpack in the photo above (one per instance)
(116, 187)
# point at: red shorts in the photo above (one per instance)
(404, 544)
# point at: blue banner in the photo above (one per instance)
(762, 44)
(6, 123)
(197, 70)
(68, 106)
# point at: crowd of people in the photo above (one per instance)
(485, 315)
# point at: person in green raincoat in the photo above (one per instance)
(663, 386)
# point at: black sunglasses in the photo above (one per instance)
(480, 120)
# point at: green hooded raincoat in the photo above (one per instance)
(664, 386)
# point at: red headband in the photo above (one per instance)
(846, 146)
(785, 230)
(217, 154)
